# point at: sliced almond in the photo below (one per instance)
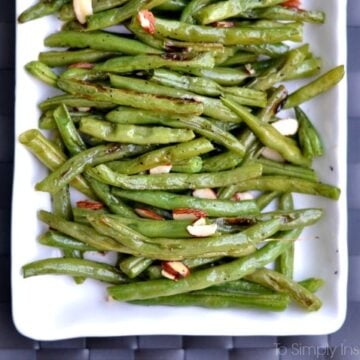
(251, 71)
(82, 65)
(148, 214)
(200, 229)
(204, 194)
(286, 127)
(174, 270)
(147, 21)
(223, 24)
(83, 109)
(82, 9)
(271, 154)
(239, 196)
(87, 204)
(161, 169)
(199, 222)
(188, 214)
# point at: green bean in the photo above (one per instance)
(134, 266)
(116, 16)
(51, 157)
(71, 168)
(291, 219)
(316, 87)
(269, 136)
(147, 38)
(191, 9)
(170, 201)
(275, 168)
(58, 240)
(61, 204)
(81, 214)
(73, 101)
(75, 267)
(40, 9)
(266, 198)
(166, 155)
(281, 283)
(270, 302)
(133, 134)
(169, 45)
(153, 228)
(285, 262)
(227, 36)
(289, 14)
(239, 58)
(173, 181)
(230, 8)
(131, 98)
(312, 284)
(223, 161)
(42, 72)
(126, 64)
(293, 59)
(211, 131)
(172, 5)
(288, 184)
(271, 50)
(69, 134)
(83, 233)
(64, 58)
(239, 287)
(190, 166)
(225, 76)
(211, 107)
(238, 244)
(309, 138)
(47, 118)
(308, 68)
(98, 40)
(201, 279)
(67, 11)
(197, 85)
(104, 194)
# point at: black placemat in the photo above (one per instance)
(344, 344)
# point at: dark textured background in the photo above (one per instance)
(345, 344)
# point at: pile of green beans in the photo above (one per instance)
(168, 125)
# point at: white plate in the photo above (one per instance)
(50, 307)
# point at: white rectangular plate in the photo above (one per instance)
(50, 307)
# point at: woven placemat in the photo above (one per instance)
(345, 344)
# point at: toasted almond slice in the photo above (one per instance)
(286, 127)
(82, 65)
(149, 214)
(83, 109)
(199, 222)
(174, 270)
(82, 9)
(251, 71)
(87, 204)
(201, 230)
(271, 154)
(168, 275)
(188, 214)
(223, 24)
(161, 169)
(239, 196)
(147, 21)
(204, 193)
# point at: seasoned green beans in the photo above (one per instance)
(166, 130)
